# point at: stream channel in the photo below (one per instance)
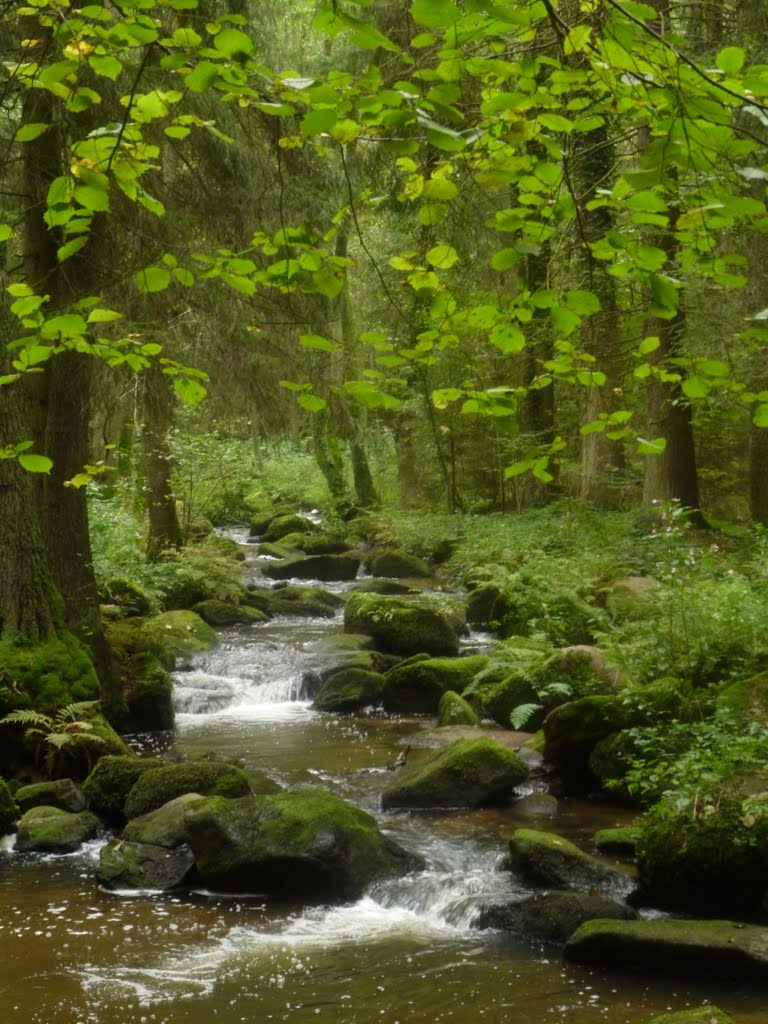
(405, 953)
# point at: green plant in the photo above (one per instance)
(67, 732)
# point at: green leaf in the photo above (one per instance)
(191, 392)
(442, 256)
(70, 248)
(760, 416)
(35, 463)
(103, 316)
(577, 39)
(435, 13)
(5, 232)
(582, 302)
(153, 279)
(507, 338)
(648, 345)
(555, 122)
(105, 65)
(312, 403)
(647, 202)
(184, 277)
(695, 387)
(28, 132)
(731, 60)
(317, 341)
(318, 121)
(655, 447)
(505, 259)
(94, 199)
(202, 77)
(233, 43)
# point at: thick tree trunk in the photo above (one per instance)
(164, 529)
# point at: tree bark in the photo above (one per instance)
(157, 400)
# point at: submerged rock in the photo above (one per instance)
(555, 915)
(62, 793)
(307, 845)
(418, 686)
(545, 858)
(466, 773)
(51, 830)
(723, 949)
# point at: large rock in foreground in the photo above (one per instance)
(306, 845)
(466, 773)
(723, 949)
(545, 858)
(401, 627)
(128, 865)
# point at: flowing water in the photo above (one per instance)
(406, 952)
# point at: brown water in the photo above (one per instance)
(406, 952)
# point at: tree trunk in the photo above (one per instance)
(164, 529)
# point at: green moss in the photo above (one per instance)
(706, 1014)
(747, 700)
(549, 859)
(401, 627)
(466, 773)
(9, 811)
(209, 778)
(179, 633)
(417, 686)
(618, 842)
(46, 676)
(454, 710)
(572, 730)
(349, 689)
(129, 596)
(51, 830)
(281, 526)
(112, 779)
(224, 613)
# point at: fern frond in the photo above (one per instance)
(522, 713)
(27, 716)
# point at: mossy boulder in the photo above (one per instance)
(110, 782)
(454, 710)
(401, 627)
(545, 858)
(466, 773)
(127, 595)
(144, 679)
(9, 811)
(282, 551)
(349, 689)
(555, 915)
(321, 544)
(418, 686)
(259, 522)
(166, 826)
(294, 601)
(307, 845)
(612, 757)
(392, 588)
(159, 785)
(572, 730)
(398, 565)
(629, 597)
(705, 1014)
(747, 699)
(62, 793)
(179, 634)
(620, 842)
(327, 568)
(711, 859)
(51, 830)
(45, 676)
(708, 949)
(224, 613)
(130, 866)
(281, 526)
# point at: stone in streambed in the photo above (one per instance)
(112, 779)
(454, 710)
(294, 600)
(401, 627)
(724, 949)
(315, 567)
(210, 778)
(466, 773)
(398, 564)
(51, 830)
(553, 916)
(545, 858)
(224, 613)
(418, 686)
(349, 689)
(61, 793)
(128, 865)
(308, 845)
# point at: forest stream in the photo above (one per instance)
(406, 952)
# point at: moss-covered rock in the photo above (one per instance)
(392, 588)
(466, 773)
(9, 811)
(454, 710)
(280, 526)
(45, 676)
(294, 600)
(747, 699)
(572, 730)
(179, 634)
(555, 915)
(315, 567)
(110, 782)
(710, 859)
(159, 785)
(127, 595)
(399, 626)
(51, 830)
(673, 946)
(62, 793)
(144, 679)
(166, 826)
(629, 597)
(706, 1014)
(307, 845)
(320, 544)
(125, 865)
(224, 613)
(271, 550)
(618, 842)
(398, 565)
(545, 858)
(612, 757)
(418, 686)
(349, 689)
